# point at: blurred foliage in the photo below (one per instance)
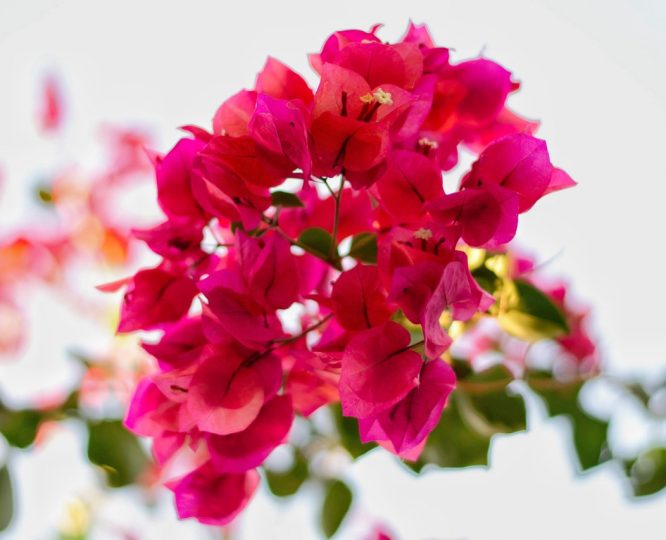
(481, 406)
(337, 502)
(529, 314)
(288, 482)
(116, 451)
(647, 472)
(6, 498)
(589, 433)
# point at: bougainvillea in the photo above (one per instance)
(327, 206)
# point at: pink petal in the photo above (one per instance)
(378, 370)
(213, 498)
(247, 449)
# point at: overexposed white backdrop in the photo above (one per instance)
(594, 73)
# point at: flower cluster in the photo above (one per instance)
(81, 225)
(329, 207)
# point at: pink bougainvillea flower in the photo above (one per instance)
(378, 370)
(240, 204)
(559, 180)
(249, 448)
(212, 497)
(154, 297)
(419, 34)
(506, 123)
(269, 270)
(279, 81)
(174, 173)
(351, 121)
(241, 158)
(152, 414)
(487, 216)
(227, 391)
(468, 95)
(338, 41)
(359, 300)
(233, 116)
(279, 126)
(410, 179)
(313, 274)
(521, 164)
(360, 158)
(381, 63)
(403, 246)
(408, 423)
(51, 109)
(177, 238)
(424, 290)
(230, 314)
(180, 345)
(313, 380)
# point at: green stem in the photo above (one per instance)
(337, 197)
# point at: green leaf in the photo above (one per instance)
(453, 443)
(286, 199)
(488, 405)
(364, 247)
(287, 483)
(647, 472)
(117, 451)
(337, 502)
(44, 194)
(589, 433)
(19, 426)
(317, 241)
(348, 433)
(590, 439)
(6, 498)
(487, 279)
(531, 315)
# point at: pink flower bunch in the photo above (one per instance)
(360, 241)
(84, 226)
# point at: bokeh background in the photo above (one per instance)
(594, 73)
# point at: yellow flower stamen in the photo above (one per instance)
(383, 98)
(423, 234)
(424, 141)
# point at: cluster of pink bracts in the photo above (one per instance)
(384, 121)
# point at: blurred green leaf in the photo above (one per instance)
(287, 483)
(531, 315)
(481, 406)
(364, 247)
(488, 405)
(561, 399)
(286, 199)
(337, 502)
(19, 426)
(44, 194)
(453, 443)
(647, 472)
(348, 432)
(6, 498)
(487, 279)
(117, 451)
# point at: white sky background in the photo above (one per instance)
(593, 71)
